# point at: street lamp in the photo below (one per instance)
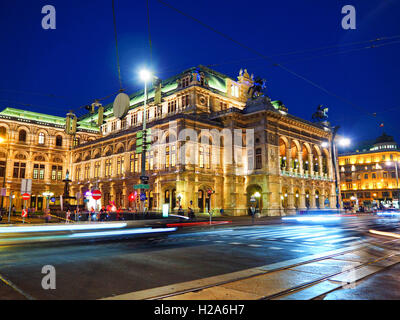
(179, 199)
(47, 194)
(145, 76)
(344, 142)
(257, 195)
(2, 140)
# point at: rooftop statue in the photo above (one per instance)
(321, 114)
(256, 90)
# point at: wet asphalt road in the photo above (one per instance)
(93, 270)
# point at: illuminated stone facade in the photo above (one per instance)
(283, 163)
(241, 148)
(34, 146)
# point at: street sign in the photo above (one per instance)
(26, 185)
(141, 186)
(140, 149)
(139, 134)
(142, 197)
(53, 199)
(144, 179)
(26, 196)
(96, 194)
(165, 210)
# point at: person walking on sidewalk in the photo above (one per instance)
(253, 213)
(67, 216)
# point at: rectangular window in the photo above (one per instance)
(108, 168)
(134, 119)
(173, 157)
(2, 168)
(172, 106)
(185, 82)
(258, 159)
(87, 171)
(167, 157)
(41, 172)
(97, 169)
(19, 170)
(53, 172)
(185, 100)
(136, 162)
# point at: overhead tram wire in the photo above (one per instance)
(176, 69)
(338, 46)
(264, 57)
(116, 47)
(342, 52)
(148, 29)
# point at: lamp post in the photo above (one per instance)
(343, 142)
(145, 76)
(257, 195)
(47, 194)
(2, 140)
(179, 199)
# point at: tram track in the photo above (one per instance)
(294, 289)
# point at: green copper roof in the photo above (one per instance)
(30, 115)
(216, 81)
(44, 118)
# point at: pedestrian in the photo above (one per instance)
(180, 211)
(67, 216)
(191, 213)
(253, 213)
(47, 215)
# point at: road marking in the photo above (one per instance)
(255, 245)
(275, 248)
(288, 241)
(297, 250)
(328, 237)
(308, 236)
(344, 239)
(235, 243)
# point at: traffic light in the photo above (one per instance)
(132, 196)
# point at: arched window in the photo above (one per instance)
(22, 136)
(59, 140)
(41, 138)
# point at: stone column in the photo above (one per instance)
(310, 164)
(291, 207)
(312, 199)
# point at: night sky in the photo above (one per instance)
(76, 63)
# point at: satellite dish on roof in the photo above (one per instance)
(121, 105)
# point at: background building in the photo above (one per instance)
(36, 147)
(370, 176)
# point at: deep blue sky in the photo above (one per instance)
(77, 61)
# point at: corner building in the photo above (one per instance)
(35, 146)
(275, 158)
(370, 176)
